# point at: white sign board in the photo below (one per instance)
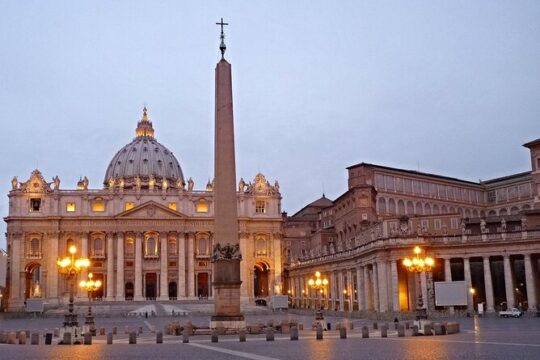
(450, 293)
(280, 302)
(34, 305)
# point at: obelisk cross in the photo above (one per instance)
(222, 46)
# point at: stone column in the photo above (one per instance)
(489, 285)
(367, 289)
(276, 255)
(375, 279)
(120, 286)
(137, 296)
(508, 282)
(341, 294)
(468, 282)
(448, 277)
(182, 266)
(81, 294)
(110, 268)
(15, 270)
(530, 282)
(244, 270)
(191, 265)
(423, 284)
(52, 274)
(383, 286)
(360, 286)
(395, 286)
(163, 272)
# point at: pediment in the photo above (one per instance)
(151, 210)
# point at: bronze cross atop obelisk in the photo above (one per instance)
(222, 46)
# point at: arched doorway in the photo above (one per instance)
(173, 290)
(98, 294)
(129, 291)
(261, 272)
(202, 285)
(33, 280)
(150, 280)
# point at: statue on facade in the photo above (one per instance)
(121, 183)
(85, 183)
(56, 181)
(463, 227)
(111, 183)
(14, 183)
(180, 184)
(276, 186)
(483, 228)
(151, 182)
(190, 184)
(503, 225)
(241, 185)
(164, 184)
(209, 186)
(138, 182)
(523, 223)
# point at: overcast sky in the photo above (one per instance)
(447, 87)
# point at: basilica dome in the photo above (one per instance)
(144, 162)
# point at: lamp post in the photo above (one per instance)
(69, 266)
(90, 286)
(318, 285)
(418, 265)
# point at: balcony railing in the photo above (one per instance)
(33, 255)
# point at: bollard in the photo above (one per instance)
(365, 332)
(285, 328)
(242, 335)
(384, 331)
(48, 338)
(300, 326)
(375, 326)
(185, 336)
(351, 325)
(12, 338)
(159, 337)
(126, 329)
(319, 332)
(22, 338)
(294, 333)
(87, 338)
(114, 330)
(2, 337)
(101, 331)
(401, 331)
(269, 334)
(415, 330)
(34, 339)
(214, 336)
(67, 338)
(56, 332)
(427, 330)
(109, 338)
(133, 337)
(343, 333)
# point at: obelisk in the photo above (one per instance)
(226, 255)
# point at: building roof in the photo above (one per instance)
(315, 206)
(532, 143)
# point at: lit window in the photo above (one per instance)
(261, 246)
(130, 246)
(172, 248)
(98, 205)
(35, 205)
(98, 248)
(70, 207)
(151, 248)
(260, 207)
(172, 206)
(129, 205)
(202, 206)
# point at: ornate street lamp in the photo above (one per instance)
(70, 268)
(418, 265)
(90, 286)
(318, 285)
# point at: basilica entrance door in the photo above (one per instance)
(33, 279)
(202, 285)
(261, 273)
(150, 286)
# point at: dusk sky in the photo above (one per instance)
(445, 87)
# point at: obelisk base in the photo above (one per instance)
(227, 295)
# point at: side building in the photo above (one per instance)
(148, 233)
(485, 233)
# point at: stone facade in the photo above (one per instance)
(486, 234)
(147, 236)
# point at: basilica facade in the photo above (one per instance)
(148, 232)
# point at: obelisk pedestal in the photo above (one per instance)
(226, 255)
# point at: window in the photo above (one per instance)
(98, 249)
(202, 246)
(35, 205)
(130, 246)
(537, 163)
(260, 246)
(260, 207)
(34, 249)
(129, 205)
(151, 247)
(437, 224)
(172, 206)
(172, 248)
(202, 206)
(491, 197)
(70, 207)
(98, 205)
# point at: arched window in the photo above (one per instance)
(151, 247)
(382, 205)
(202, 246)
(129, 246)
(401, 207)
(171, 247)
(514, 210)
(98, 249)
(391, 206)
(436, 209)
(427, 209)
(410, 208)
(502, 212)
(35, 248)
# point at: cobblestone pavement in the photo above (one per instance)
(480, 338)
